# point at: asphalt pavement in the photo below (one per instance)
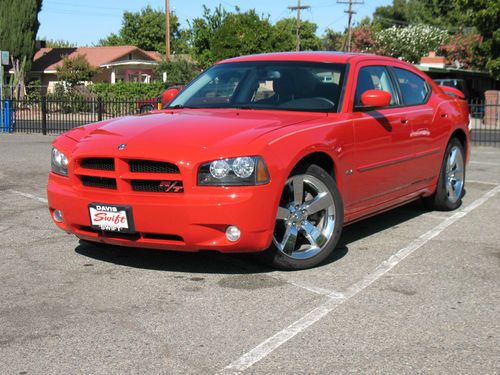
(406, 292)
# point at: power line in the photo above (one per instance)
(350, 12)
(298, 8)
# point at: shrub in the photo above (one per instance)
(127, 90)
(412, 42)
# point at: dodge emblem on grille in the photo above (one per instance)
(122, 146)
(171, 186)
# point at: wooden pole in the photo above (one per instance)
(297, 31)
(167, 31)
(350, 12)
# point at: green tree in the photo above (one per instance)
(309, 41)
(18, 28)
(75, 70)
(146, 29)
(484, 15)
(446, 14)
(179, 72)
(332, 40)
(202, 35)
(220, 34)
(243, 34)
(59, 43)
(385, 17)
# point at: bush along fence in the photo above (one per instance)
(53, 115)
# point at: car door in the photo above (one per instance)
(382, 141)
(428, 127)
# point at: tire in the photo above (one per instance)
(451, 184)
(146, 108)
(309, 220)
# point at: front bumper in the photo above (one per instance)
(190, 221)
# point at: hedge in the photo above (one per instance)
(128, 91)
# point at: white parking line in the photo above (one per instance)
(484, 163)
(31, 196)
(334, 300)
(481, 182)
(313, 289)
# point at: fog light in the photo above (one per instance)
(58, 216)
(233, 233)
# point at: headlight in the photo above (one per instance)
(245, 170)
(59, 162)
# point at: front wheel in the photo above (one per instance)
(309, 220)
(451, 184)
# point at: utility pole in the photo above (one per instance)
(297, 33)
(167, 31)
(349, 22)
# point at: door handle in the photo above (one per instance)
(404, 121)
(444, 115)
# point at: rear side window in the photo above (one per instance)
(413, 88)
(374, 78)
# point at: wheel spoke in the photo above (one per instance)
(452, 194)
(459, 173)
(283, 213)
(321, 202)
(298, 189)
(452, 159)
(289, 239)
(313, 234)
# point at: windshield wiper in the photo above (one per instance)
(180, 106)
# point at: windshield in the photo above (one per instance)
(293, 86)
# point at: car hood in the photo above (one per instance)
(184, 132)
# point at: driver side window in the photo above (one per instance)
(374, 78)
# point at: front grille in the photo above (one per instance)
(157, 186)
(151, 166)
(99, 182)
(103, 164)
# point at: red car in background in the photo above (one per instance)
(269, 153)
(147, 105)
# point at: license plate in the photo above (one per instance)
(111, 218)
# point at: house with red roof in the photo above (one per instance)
(114, 63)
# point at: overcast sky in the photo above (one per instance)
(85, 22)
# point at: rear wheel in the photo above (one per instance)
(309, 220)
(451, 183)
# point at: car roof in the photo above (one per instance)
(320, 56)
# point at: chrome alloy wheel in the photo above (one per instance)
(454, 174)
(306, 217)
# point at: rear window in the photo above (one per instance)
(413, 88)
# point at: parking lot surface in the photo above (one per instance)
(406, 292)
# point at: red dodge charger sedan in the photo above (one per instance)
(269, 153)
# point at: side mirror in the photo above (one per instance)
(375, 98)
(168, 95)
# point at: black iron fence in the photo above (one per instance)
(55, 115)
(484, 123)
